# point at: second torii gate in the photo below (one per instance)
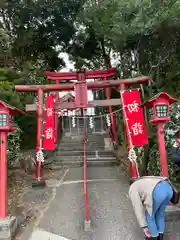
(82, 76)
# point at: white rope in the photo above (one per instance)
(91, 122)
(108, 121)
(40, 156)
(95, 116)
(73, 122)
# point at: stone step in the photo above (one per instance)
(75, 147)
(74, 134)
(81, 158)
(72, 139)
(103, 162)
(81, 130)
(70, 149)
(81, 153)
(82, 142)
(67, 144)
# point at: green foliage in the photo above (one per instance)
(14, 139)
(144, 35)
(27, 122)
(154, 164)
(37, 29)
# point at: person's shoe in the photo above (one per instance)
(160, 237)
(152, 238)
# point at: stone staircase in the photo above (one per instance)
(70, 151)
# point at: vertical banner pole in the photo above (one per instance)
(94, 126)
(40, 104)
(101, 125)
(78, 126)
(62, 119)
(132, 167)
(70, 122)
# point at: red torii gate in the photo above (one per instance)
(82, 77)
(58, 77)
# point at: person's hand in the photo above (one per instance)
(146, 232)
(178, 141)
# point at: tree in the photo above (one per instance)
(36, 28)
(145, 37)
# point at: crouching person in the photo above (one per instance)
(150, 197)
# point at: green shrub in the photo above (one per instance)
(154, 164)
(13, 150)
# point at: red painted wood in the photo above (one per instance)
(73, 75)
(3, 175)
(162, 150)
(71, 105)
(108, 93)
(90, 85)
(56, 117)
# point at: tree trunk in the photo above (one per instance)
(144, 170)
(107, 60)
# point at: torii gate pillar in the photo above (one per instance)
(107, 91)
(56, 117)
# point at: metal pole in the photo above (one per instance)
(162, 150)
(94, 128)
(78, 126)
(3, 175)
(101, 125)
(62, 119)
(70, 127)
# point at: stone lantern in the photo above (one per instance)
(159, 111)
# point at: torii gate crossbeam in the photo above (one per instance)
(90, 85)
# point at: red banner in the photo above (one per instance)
(135, 117)
(48, 141)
